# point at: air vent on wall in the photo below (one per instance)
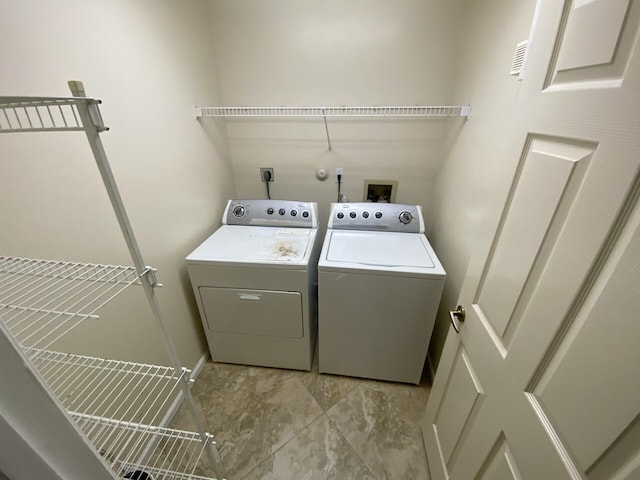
(519, 57)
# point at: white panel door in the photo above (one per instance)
(543, 380)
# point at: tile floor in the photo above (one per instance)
(272, 424)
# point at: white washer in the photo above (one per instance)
(255, 282)
(379, 286)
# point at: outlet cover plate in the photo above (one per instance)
(266, 169)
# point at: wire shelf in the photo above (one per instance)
(166, 454)
(39, 114)
(47, 114)
(42, 300)
(371, 111)
(127, 391)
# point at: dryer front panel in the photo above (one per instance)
(253, 312)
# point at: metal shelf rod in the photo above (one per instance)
(92, 122)
(47, 360)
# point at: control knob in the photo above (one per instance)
(365, 214)
(378, 214)
(270, 211)
(405, 217)
(238, 211)
(352, 214)
(282, 211)
(305, 214)
(294, 213)
(340, 215)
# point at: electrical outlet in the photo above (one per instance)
(265, 170)
(339, 171)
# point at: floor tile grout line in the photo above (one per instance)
(323, 412)
(288, 375)
(375, 477)
(314, 401)
(335, 425)
(311, 422)
(297, 379)
(358, 382)
(314, 386)
(284, 444)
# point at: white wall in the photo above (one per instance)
(472, 184)
(361, 52)
(150, 62)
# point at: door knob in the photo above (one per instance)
(458, 314)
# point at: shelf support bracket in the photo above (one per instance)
(326, 127)
(150, 275)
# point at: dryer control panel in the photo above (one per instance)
(271, 213)
(382, 217)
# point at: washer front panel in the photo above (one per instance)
(375, 326)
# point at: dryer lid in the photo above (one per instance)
(232, 243)
(383, 249)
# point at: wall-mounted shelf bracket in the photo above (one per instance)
(326, 129)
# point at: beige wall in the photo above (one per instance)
(472, 184)
(149, 61)
(361, 52)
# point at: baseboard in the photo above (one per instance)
(195, 373)
(177, 402)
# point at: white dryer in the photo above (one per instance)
(379, 286)
(255, 282)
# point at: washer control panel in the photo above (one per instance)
(271, 213)
(388, 217)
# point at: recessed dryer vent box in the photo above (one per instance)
(383, 191)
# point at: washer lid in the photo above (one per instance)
(245, 244)
(382, 249)
(387, 253)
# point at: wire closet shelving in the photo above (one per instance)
(118, 406)
(410, 111)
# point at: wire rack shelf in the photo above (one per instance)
(119, 405)
(165, 453)
(39, 114)
(47, 114)
(411, 111)
(126, 391)
(42, 300)
(370, 111)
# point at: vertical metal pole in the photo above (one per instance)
(148, 283)
(326, 128)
